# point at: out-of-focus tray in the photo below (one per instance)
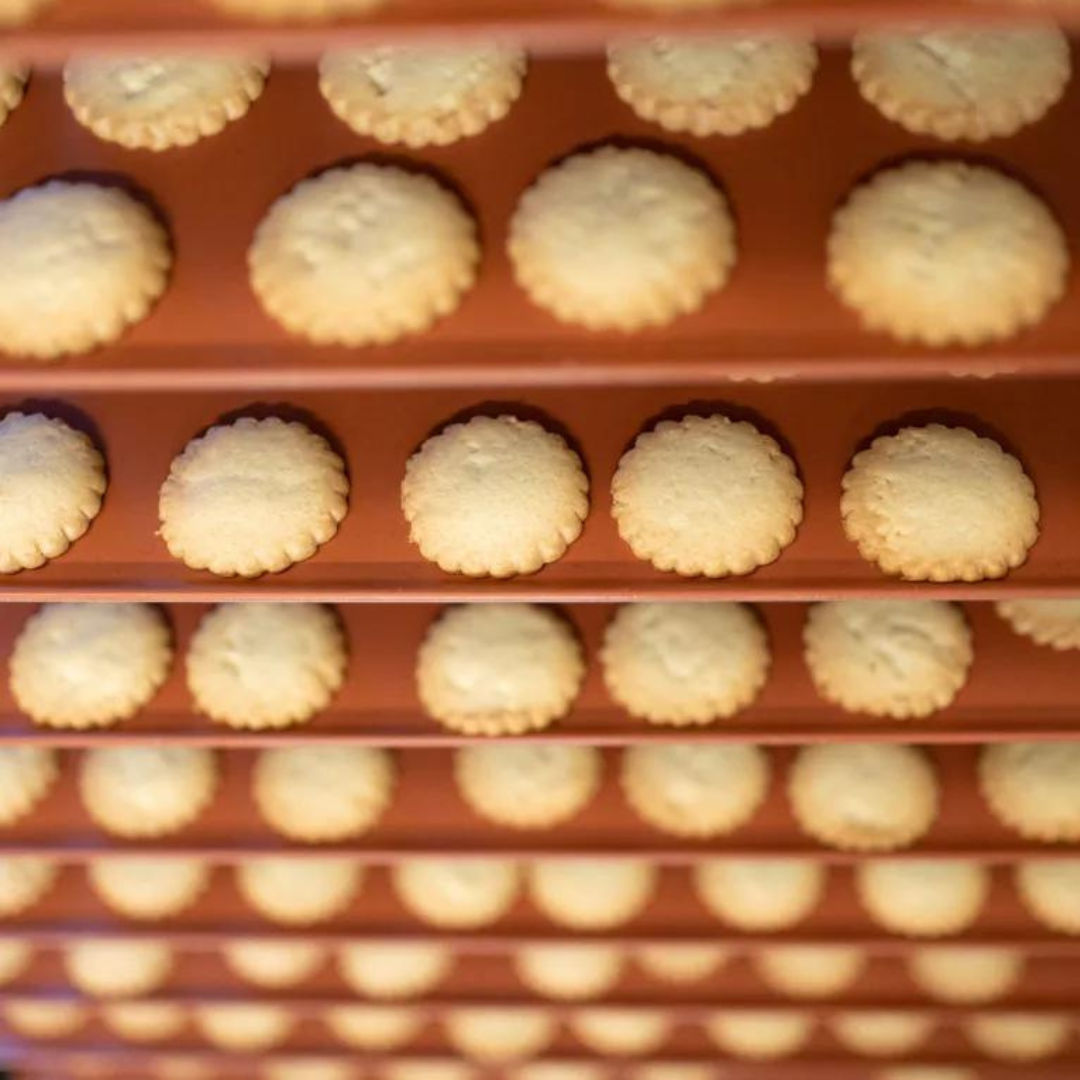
(776, 319)
(1016, 690)
(371, 559)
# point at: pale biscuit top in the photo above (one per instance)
(117, 967)
(569, 971)
(148, 886)
(677, 963)
(400, 1068)
(586, 894)
(1034, 788)
(374, 1027)
(1018, 1036)
(527, 785)
(684, 664)
(67, 289)
(494, 496)
(963, 84)
(27, 775)
(12, 84)
(560, 1070)
(1047, 622)
(946, 253)
(156, 102)
(499, 1034)
(498, 669)
(273, 964)
(243, 1027)
(299, 890)
(88, 665)
(24, 880)
(40, 1019)
(923, 897)
(363, 255)
(936, 503)
(1050, 890)
(881, 1032)
(896, 658)
(621, 239)
(144, 1021)
(422, 95)
(52, 479)
(265, 665)
(706, 495)
(252, 497)
(296, 9)
(394, 969)
(323, 793)
(759, 1034)
(760, 894)
(688, 789)
(966, 974)
(809, 971)
(669, 1070)
(616, 1032)
(863, 796)
(712, 85)
(457, 893)
(146, 791)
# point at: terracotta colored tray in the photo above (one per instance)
(777, 318)
(371, 559)
(1016, 690)
(72, 909)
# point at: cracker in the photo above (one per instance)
(1034, 788)
(148, 887)
(243, 1027)
(966, 974)
(457, 893)
(685, 664)
(27, 775)
(392, 970)
(681, 964)
(299, 890)
(712, 85)
(147, 791)
(692, 790)
(117, 967)
(621, 239)
(12, 84)
(52, 480)
(16, 956)
(1050, 890)
(422, 95)
(252, 497)
(760, 894)
(271, 964)
(374, 1027)
(620, 1032)
(809, 971)
(264, 665)
(946, 253)
(494, 497)
(322, 794)
(973, 84)
(863, 796)
(65, 291)
(24, 880)
(1055, 623)
(759, 1034)
(499, 669)
(363, 255)
(569, 972)
(936, 503)
(1017, 1036)
(923, 897)
(38, 1018)
(881, 1032)
(161, 101)
(584, 894)
(528, 785)
(89, 665)
(499, 1035)
(706, 495)
(901, 659)
(144, 1021)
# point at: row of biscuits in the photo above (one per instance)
(849, 796)
(914, 898)
(504, 669)
(702, 496)
(399, 972)
(497, 1035)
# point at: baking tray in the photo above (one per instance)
(545, 24)
(777, 318)
(371, 559)
(72, 910)
(1016, 690)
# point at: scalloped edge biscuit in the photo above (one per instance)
(117, 967)
(966, 974)
(618, 1032)
(922, 897)
(24, 880)
(881, 1032)
(809, 971)
(299, 890)
(1050, 891)
(500, 1034)
(271, 963)
(457, 893)
(1033, 788)
(394, 970)
(374, 1027)
(1017, 1036)
(585, 894)
(760, 894)
(148, 887)
(27, 775)
(573, 971)
(1055, 623)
